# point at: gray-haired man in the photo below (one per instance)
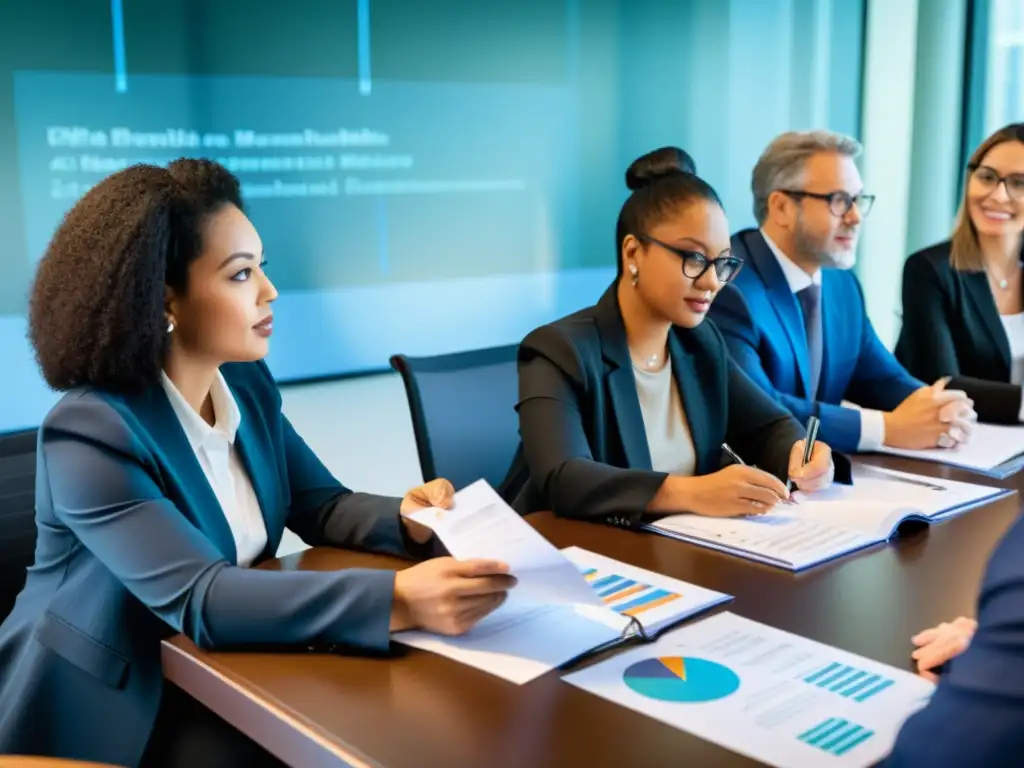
(794, 318)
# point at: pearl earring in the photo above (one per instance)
(635, 272)
(170, 326)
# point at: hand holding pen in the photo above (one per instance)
(810, 461)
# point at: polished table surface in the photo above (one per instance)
(416, 708)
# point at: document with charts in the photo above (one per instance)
(568, 603)
(994, 450)
(828, 524)
(770, 695)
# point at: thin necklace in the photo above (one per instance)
(1002, 282)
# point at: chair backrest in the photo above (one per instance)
(463, 413)
(17, 513)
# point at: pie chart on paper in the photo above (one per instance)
(681, 679)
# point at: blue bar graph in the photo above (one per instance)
(836, 736)
(618, 587)
(626, 595)
(649, 597)
(848, 682)
(607, 581)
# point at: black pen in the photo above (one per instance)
(812, 434)
(736, 457)
(733, 455)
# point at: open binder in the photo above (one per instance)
(829, 524)
(525, 638)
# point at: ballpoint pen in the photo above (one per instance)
(812, 434)
(736, 457)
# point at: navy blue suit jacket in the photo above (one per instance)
(133, 547)
(763, 326)
(976, 716)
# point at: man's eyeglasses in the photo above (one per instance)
(989, 179)
(695, 264)
(839, 203)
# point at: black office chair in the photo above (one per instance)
(463, 413)
(17, 513)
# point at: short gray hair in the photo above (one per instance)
(781, 165)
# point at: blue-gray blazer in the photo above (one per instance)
(133, 547)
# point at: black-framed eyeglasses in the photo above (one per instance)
(989, 179)
(695, 263)
(839, 203)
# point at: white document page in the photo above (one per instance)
(880, 499)
(522, 640)
(780, 538)
(771, 695)
(990, 445)
(830, 523)
(481, 525)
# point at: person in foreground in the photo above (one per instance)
(168, 467)
(976, 715)
(624, 406)
(795, 321)
(963, 300)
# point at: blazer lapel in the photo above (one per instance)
(783, 302)
(195, 497)
(621, 383)
(977, 288)
(694, 403)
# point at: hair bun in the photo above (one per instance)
(658, 164)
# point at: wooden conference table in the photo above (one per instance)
(417, 709)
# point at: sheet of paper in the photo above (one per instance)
(768, 694)
(482, 525)
(782, 538)
(651, 598)
(990, 446)
(521, 640)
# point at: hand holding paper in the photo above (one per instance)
(448, 596)
(481, 525)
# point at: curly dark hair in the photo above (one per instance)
(96, 312)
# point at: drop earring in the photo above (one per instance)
(635, 273)
(170, 326)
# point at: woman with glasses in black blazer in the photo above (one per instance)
(963, 299)
(631, 407)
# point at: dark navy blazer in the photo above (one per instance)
(584, 449)
(763, 326)
(976, 716)
(133, 547)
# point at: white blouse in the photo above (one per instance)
(668, 433)
(215, 449)
(1014, 327)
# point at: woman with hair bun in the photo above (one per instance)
(624, 406)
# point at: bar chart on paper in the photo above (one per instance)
(836, 736)
(629, 597)
(850, 682)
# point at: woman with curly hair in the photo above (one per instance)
(167, 469)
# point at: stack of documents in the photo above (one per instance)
(773, 696)
(828, 524)
(566, 604)
(993, 450)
